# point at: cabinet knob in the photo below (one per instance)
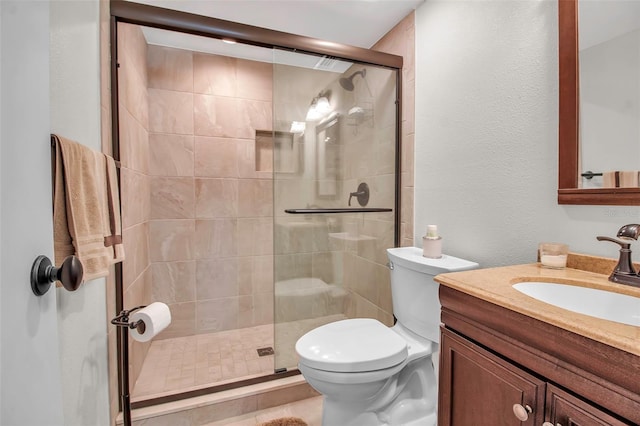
(522, 412)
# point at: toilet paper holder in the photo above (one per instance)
(122, 320)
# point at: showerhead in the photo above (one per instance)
(347, 82)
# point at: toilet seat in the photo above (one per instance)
(352, 346)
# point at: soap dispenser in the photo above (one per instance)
(432, 243)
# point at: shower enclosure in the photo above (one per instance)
(259, 193)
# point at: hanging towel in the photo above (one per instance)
(629, 179)
(610, 179)
(621, 179)
(86, 209)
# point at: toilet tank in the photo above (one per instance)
(414, 293)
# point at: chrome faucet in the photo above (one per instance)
(624, 272)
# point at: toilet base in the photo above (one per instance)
(407, 399)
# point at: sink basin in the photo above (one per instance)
(602, 304)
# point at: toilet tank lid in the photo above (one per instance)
(412, 258)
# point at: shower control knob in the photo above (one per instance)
(522, 412)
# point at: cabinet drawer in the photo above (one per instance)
(566, 410)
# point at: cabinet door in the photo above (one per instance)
(567, 410)
(479, 388)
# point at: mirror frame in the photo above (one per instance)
(569, 121)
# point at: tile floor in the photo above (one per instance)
(186, 363)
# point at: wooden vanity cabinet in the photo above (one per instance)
(492, 358)
(479, 388)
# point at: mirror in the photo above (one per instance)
(328, 158)
(570, 189)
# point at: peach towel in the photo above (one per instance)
(86, 208)
(621, 179)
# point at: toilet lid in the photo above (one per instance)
(351, 345)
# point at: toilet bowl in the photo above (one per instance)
(370, 374)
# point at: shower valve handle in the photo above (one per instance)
(362, 194)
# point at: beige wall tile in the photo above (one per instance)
(170, 155)
(214, 75)
(217, 278)
(215, 157)
(255, 80)
(216, 198)
(134, 143)
(171, 240)
(255, 236)
(255, 197)
(290, 266)
(263, 306)
(132, 49)
(245, 312)
(174, 281)
(135, 240)
(172, 198)
(134, 195)
(217, 314)
(408, 108)
(217, 116)
(255, 274)
(215, 238)
(133, 96)
(170, 112)
(255, 115)
(183, 321)
(170, 68)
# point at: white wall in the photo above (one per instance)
(486, 152)
(75, 114)
(30, 390)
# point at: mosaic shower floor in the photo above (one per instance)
(187, 363)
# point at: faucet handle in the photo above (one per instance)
(624, 266)
(623, 244)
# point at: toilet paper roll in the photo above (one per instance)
(156, 317)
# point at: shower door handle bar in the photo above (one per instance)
(338, 210)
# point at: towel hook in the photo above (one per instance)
(43, 273)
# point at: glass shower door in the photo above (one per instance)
(334, 163)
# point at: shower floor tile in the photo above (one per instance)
(186, 363)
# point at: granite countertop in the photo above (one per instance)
(495, 285)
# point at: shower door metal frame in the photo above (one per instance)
(173, 20)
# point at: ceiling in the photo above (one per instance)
(354, 22)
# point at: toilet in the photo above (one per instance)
(370, 374)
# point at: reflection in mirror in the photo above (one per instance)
(328, 158)
(570, 188)
(609, 58)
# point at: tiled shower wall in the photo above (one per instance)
(134, 177)
(364, 261)
(210, 233)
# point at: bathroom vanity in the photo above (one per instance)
(507, 358)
